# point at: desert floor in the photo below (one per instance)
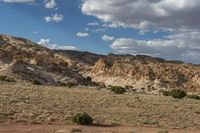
(26, 108)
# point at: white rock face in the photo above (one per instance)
(25, 60)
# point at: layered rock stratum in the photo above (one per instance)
(24, 60)
(135, 72)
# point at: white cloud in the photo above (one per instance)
(56, 18)
(180, 18)
(18, 1)
(143, 31)
(46, 43)
(82, 34)
(107, 38)
(93, 23)
(97, 30)
(181, 45)
(50, 4)
(141, 14)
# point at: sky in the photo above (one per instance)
(168, 29)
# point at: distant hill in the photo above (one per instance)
(22, 59)
(136, 72)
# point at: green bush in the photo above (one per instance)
(36, 82)
(193, 97)
(70, 85)
(176, 93)
(82, 118)
(117, 89)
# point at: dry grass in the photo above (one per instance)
(50, 104)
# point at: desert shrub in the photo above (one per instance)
(10, 80)
(6, 79)
(61, 84)
(74, 130)
(70, 85)
(176, 93)
(117, 89)
(82, 118)
(197, 112)
(132, 132)
(100, 85)
(128, 87)
(165, 93)
(3, 78)
(89, 78)
(163, 131)
(193, 97)
(36, 82)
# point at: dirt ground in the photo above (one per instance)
(47, 108)
(19, 128)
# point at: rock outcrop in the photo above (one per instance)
(22, 59)
(138, 73)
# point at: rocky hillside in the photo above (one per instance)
(21, 59)
(136, 72)
(81, 62)
(146, 72)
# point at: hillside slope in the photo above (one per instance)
(22, 59)
(136, 72)
(146, 72)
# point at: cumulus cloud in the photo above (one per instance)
(46, 43)
(183, 46)
(50, 4)
(82, 34)
(107, 38)
(56, 18)
(144, 13)
(93, 23)
(178, 17)
(18, 1)
(144, 31)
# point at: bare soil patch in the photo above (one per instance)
(18, 128)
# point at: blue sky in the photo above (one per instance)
(117, 26)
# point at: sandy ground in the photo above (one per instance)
(55, 106)
(19, 128)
